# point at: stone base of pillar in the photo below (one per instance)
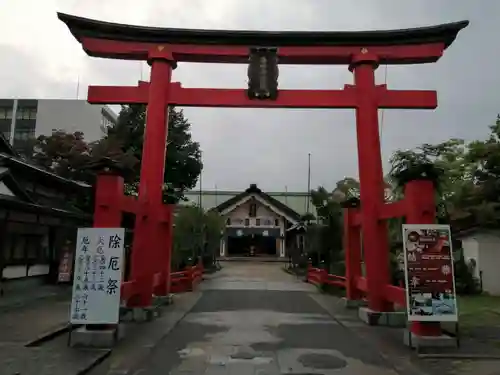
(377, 318)
(103, 338)
(353, 303)
(418, 342)
(140, 314)
(163, 300)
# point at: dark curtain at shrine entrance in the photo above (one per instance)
(241, 246)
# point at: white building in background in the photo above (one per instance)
(23, 120)
(481, 250)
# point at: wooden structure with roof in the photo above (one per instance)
(37, 217)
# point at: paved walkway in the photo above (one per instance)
(253, 318)
(28, 316)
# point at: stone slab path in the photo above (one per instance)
(253, 318)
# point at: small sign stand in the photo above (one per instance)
(429, 277)
(97, 281)
(71, 326)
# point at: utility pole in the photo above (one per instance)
(308, 182)
(201, 221)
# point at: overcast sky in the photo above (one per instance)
(40, 59)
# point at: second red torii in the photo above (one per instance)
(204, 97)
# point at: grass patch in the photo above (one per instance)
(479, 311)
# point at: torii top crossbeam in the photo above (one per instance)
(405, 46)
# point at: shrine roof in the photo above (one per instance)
(84, 27)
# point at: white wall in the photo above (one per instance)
(471, 251)
(484, 247)
(14, 272)
(489, 261)
(263, 213)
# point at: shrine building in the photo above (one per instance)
(257, 223)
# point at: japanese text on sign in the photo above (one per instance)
(430, 285)
(97, 277)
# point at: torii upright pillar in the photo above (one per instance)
(371, 180)
(152, 236)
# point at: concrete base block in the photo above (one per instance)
(105, 338)
(376, 318)
(353, 303)
(415, 341)
(163, 300)
(140, 314)
(145, 314)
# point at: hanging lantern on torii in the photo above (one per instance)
(263, 73)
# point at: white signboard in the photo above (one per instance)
(97, 276)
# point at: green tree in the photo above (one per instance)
(485, 157)
(196, 233)
(324, 237)
(346, 188)
(67, 154)
(183, 155)
(455, 188)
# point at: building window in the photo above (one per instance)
(253, 210)
(26, 114)
(247, 222)
(276, 223)
(257, 222)
(18, 252)
(105, 124)
(24, 134)
(228, 221)
(5, 113)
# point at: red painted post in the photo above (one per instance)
(323, 276)
(421, 209)
(167, 254)
(352, 250)
(375, 236)
(107, 210)
(148, 247)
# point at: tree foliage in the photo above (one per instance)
(469, 184)
(67, 154)
(324, 237)
(196, 234)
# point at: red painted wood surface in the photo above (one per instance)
(182, 281)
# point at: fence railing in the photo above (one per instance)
(319, 277)
(182, 281)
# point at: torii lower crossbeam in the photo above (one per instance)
(237, 98)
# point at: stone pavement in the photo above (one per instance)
(25, 319)
(31, 321)
(256, 319)
(249, 318)
(13, 299)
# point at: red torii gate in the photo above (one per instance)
(163, 48)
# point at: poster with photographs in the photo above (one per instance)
(430, 284)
